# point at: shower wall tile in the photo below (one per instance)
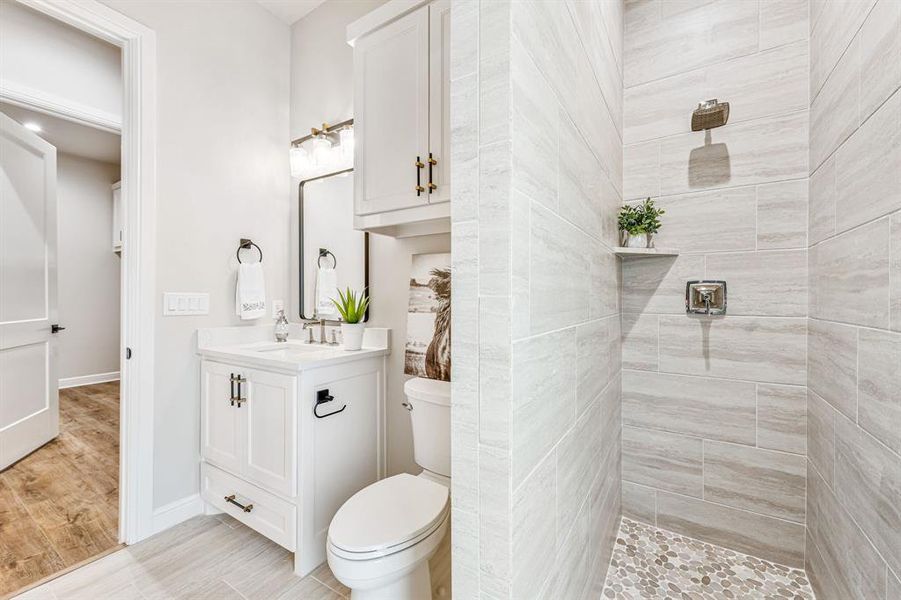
(569, 568)
(821, 210)
(820, 574)
(782, 215)
(577, 458)
(663, 460)
(494, 219)
(661, 45)
(657, 284)
(851, 276)
(893, 584)
(696, 406)
(714, 221)
(581, 181)
(604, 283)
(760, 151)
(832, 364)
(895, 272)
(868, 486)
(771, 283)
(520, 264)
(494, 364)
(821, 435)
(832, 34)
(782, 22)
(663, 107)
(641, 170)
(597, 359)
(834, 111)
(748, 348)
(782, 418)
(868, 181)
(772, 539)
(639, 341)
(534, 534)
(495, 521)
(879, 44)
(465, 148)
(639, 502)
(879, 386)
(762, 481)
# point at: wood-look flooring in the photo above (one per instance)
(59, 504)
(213, 557)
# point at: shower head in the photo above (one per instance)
(710, 114)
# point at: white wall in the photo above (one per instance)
(322, 90)
(222, 174)
(88, 268)
(52, 58)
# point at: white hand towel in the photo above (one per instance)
(326, 289)
(250, 292)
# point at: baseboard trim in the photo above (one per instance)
(70, 382)
(174, 513)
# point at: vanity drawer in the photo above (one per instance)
(269, 515)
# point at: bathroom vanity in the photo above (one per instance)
(289, 431)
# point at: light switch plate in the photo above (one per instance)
(179, 304)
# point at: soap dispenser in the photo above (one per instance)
(281, 327)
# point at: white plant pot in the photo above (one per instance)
(352, 335)
(637, 240)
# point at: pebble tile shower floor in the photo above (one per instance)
(652, 563)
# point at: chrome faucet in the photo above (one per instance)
(322, 324)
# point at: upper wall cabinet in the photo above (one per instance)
(402, 118)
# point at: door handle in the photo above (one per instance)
(56, 328)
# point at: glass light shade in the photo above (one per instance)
(300, 161)
(322, 151)
(346, 136)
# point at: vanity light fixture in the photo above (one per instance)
(325, 150)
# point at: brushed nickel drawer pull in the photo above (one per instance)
(232, 500)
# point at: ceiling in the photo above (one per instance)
(70, 137)
(290, 11)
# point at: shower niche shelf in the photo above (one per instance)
(639, 252)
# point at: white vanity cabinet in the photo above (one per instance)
(274, 459)
(402, 118)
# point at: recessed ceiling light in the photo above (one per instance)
(31, 126)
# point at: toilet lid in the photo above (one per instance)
(388, 513)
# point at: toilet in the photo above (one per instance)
(380, 540)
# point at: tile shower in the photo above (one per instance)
(774, 431)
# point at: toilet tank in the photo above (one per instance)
(429, 404)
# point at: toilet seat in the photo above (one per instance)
(388, 517)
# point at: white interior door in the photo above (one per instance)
(29, 395)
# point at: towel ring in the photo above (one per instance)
(323, 252)
(247, 245)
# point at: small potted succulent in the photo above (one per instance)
(638, 224)
(352, 309)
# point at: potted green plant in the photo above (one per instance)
(352, 309)
(638, 223)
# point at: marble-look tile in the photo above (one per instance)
(605, 280)
(868, 486)
(657, 285)
(879, 44)
(520, 264)
(641, 170)
(577, 462)
(879, 386)
(581, 180)
(709, 408)
(494, 72)
(771, 283)
(663, 460)
(782, 418)
(534, 130)
(672, 43)
(465, 551)
(765, 537)
(534, 530)
(613, 14)
(893, 583)
(713, 221)
(597, 358)
(639, 502)
(495, 527)
(851, 274)
(751, 348)
(821, 435)
(465, 42)
(544, 397)
(465, 148)
(494, 367)
(752, 152)
(494, 219)
(834, 111)
(868, 168)
(782, 215)
(832, 364)
(782, 22)
(569, 573)
(895, 272)
(821, 576)
(855, 565)
(662, 107)
(821, 206)
(834, 28)
(605, 508)
(559, 272)
(639, 341)
(762, 481)
(611, 416)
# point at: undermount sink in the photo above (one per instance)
(295, 348)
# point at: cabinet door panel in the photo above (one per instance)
(271, 424)
(439, 98)
(391, 102)
(221, 434)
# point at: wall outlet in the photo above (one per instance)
(179, 304)
(277, 305)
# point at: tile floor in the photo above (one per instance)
(653, 563)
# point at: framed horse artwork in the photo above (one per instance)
(428, 348)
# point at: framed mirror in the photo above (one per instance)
(332, 254)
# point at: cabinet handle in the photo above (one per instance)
(432, 162)
(231, 499)
(231, 382)
(241, 399)
(419, 189)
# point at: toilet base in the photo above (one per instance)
(416, 585)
